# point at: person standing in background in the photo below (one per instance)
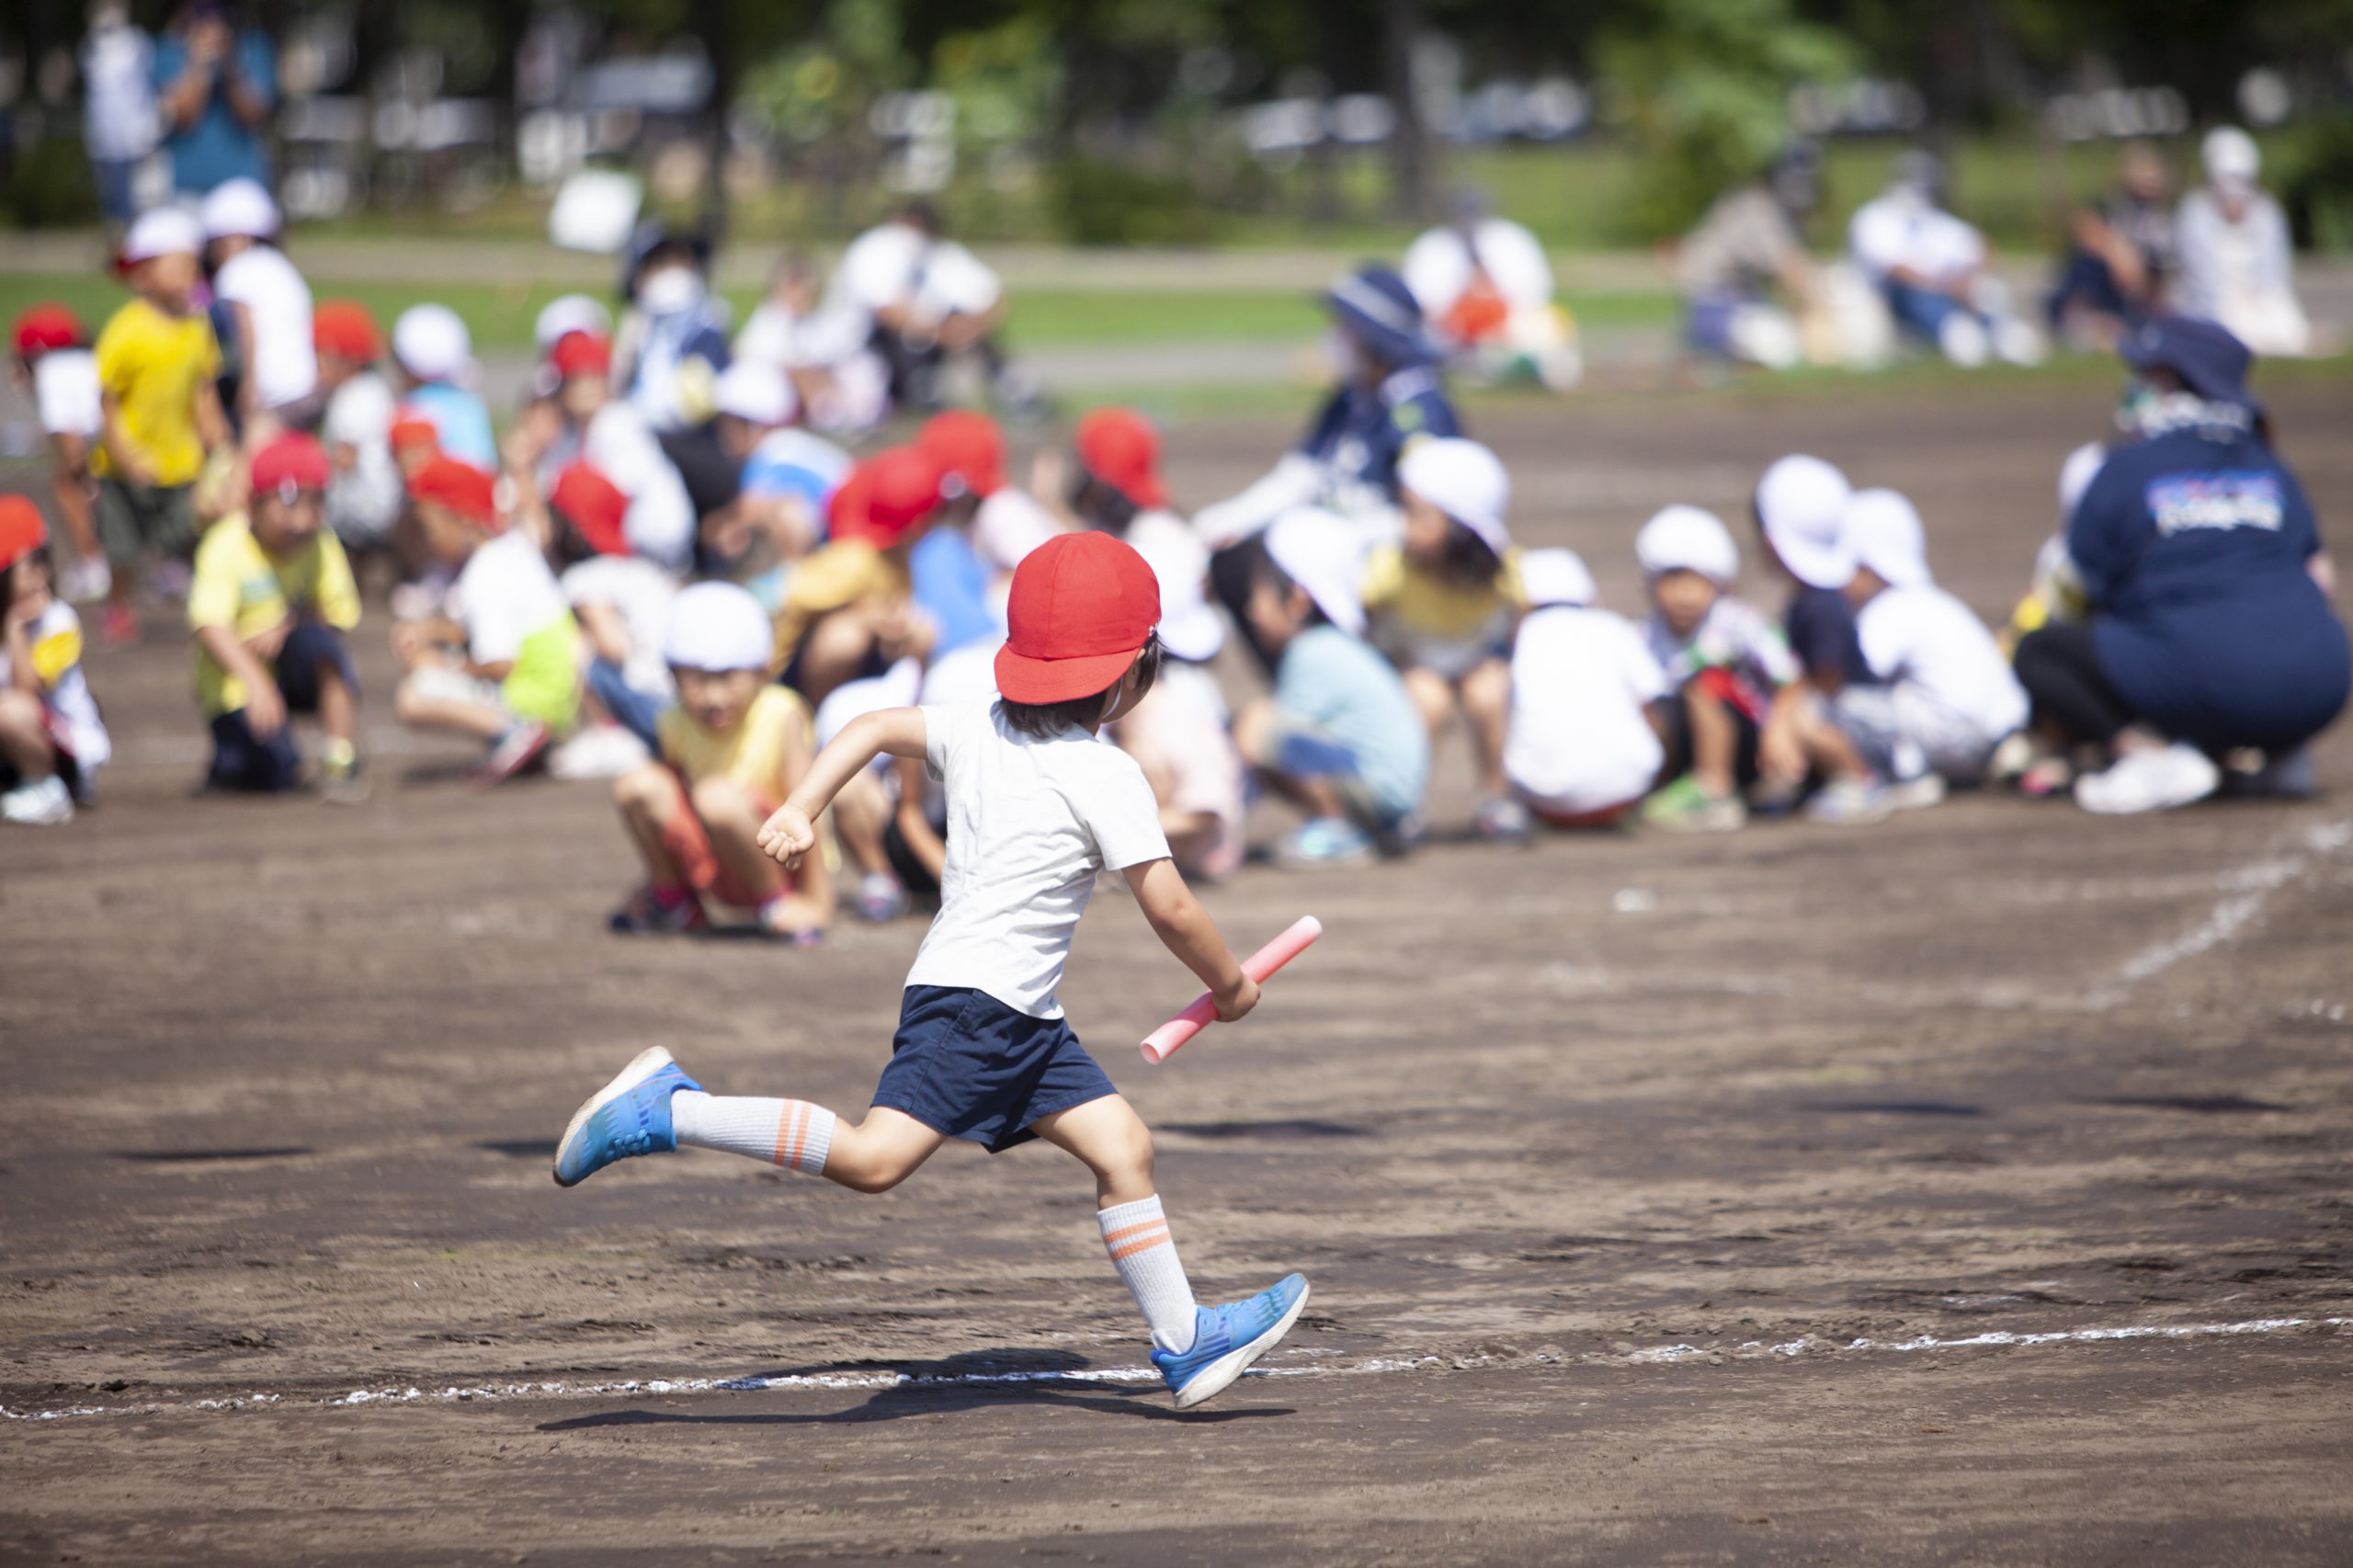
(118, 108)
(217, 85)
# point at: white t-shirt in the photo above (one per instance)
(1900, 229)
(640, 593)
(1733, 635)
(55, 639)
(505, 594)
(1440, 266)
(1925, 637)
(65, 392)
(364, 501)
(286, 367)
(895, 264)
(660, 522)
(1031, 825)
(1578, 740)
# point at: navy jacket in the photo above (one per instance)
(1359, 435)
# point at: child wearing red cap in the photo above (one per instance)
(612, 434)
(503, 663)
(1037, 811)
(269, 605)
(55, 366)
(622, 602)
(366, 492)
(51, 739)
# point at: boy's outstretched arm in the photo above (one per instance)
(791, 832)
(1187, 930)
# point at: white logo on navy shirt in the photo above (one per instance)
(2180, 501)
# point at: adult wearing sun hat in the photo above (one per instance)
(2198, 553)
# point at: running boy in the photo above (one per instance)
(1037, 811)
(54, 363)
(733, 747)
(52, 741)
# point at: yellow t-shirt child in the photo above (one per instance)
(153, 364)
(1421, 620)
(751, 756)
(243, 587)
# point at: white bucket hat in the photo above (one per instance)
(162, 230)
(718, 627)
(1689, 538)
(240, 208)
(431, 343)
(2231, 156)
(1555, 577)
(1801, 503)
(1465, 481)
(570, 313)
(1320, 552)
(1191, 627)
(756, 393)
(1882, 530)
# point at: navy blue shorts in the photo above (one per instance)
(242, 760)
(965, 1065)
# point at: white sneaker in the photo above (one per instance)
(87, 580)
(1914, 794)
(45, 804)
(1963, 340)
(2149, 781)
(600, 751)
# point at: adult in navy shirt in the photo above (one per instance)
(216, 85)
(2211, 632)
(1390, 391)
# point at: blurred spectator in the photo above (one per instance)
(2237, 266)
(826, 348)
(53, 740)
(672, 341)
(1748, 244)
(2122, 254)
(118, 107)
(622, 601)
(55, 362)
(365, 494)
(261, 312)
(930, 303)
(1484, 285)
(218, 85)
(615, 438)
(435, 355)
(1930, 265)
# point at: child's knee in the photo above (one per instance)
(722, 801)
(866, 1171)
(645, 790)
(19, 710)
(1486, 690)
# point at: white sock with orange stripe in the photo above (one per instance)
(793, 1133)
(1136, 1236)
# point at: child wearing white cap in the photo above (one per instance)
(266, 307)
(1948, 698)
(1340, 738)
(435, 355)
(1442, 604)
(1582, 747)
(1728, 667)
(731, 750)
(1179, 734)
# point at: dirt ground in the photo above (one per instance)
(1645, 1185)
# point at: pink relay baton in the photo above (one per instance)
(1163, 1042)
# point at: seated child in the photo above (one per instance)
(55, 365)
(1732, 674)
(52, 741)
(1947, 697)
(160, 411)
(731, 749)
(1179, 733)
(434, 356)
(1340, 738)
(272, 598)
(261, 309)
(983, 1053)
(501, 663)
(848, 613)
(1442, 604)
(622, 601)
(1801, 508)
(366, 495)
(1582, 749)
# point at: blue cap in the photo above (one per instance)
(1374, 303)
(2205, 355)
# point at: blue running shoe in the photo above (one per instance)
(629, 1116)
(1324, 841)
(1227, 1338)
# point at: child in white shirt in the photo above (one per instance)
(52, 741)
(1037, 811)
(1582, 747)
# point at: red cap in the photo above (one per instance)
(289, 464)
(581, 354)
(22, 531)
(593, 505)
(463, 488)
(968, 446)
(414, 430)
(1119, 447)
(885, 497)
(1082, 605)
(44, 327)
(346, 327)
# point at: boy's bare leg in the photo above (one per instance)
(476, 719)
(1433, 696)
(733, 820)
(1828, 746)
(23, 740)
(1486, 699)
(861, 812)
(1714, 739)
(1111, 1141)
(72, 493)
(339, 709)
(1253, 730)
(645, 797)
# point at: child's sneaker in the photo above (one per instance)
(650, 913)
(628, 1116)
(1914, 794)
(86, 581)
(1227, 1338)
(118, 626)
(880, 898)
(1687, 806)
(523, 743)
(2154, 780)
(46, 804)
(1324, 841)
(1505, 821)
(1848, 802)
(341, 783)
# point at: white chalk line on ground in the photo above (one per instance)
(1754, 1349)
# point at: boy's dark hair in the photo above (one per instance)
(1044, 720)
(1468, 558)
(1263, 569)
(1101, 504)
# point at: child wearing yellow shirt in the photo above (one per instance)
(1443, 602)
(160, 412)
(271, 599)
(733, 749)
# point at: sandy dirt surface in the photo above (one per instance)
(1645, 1185)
